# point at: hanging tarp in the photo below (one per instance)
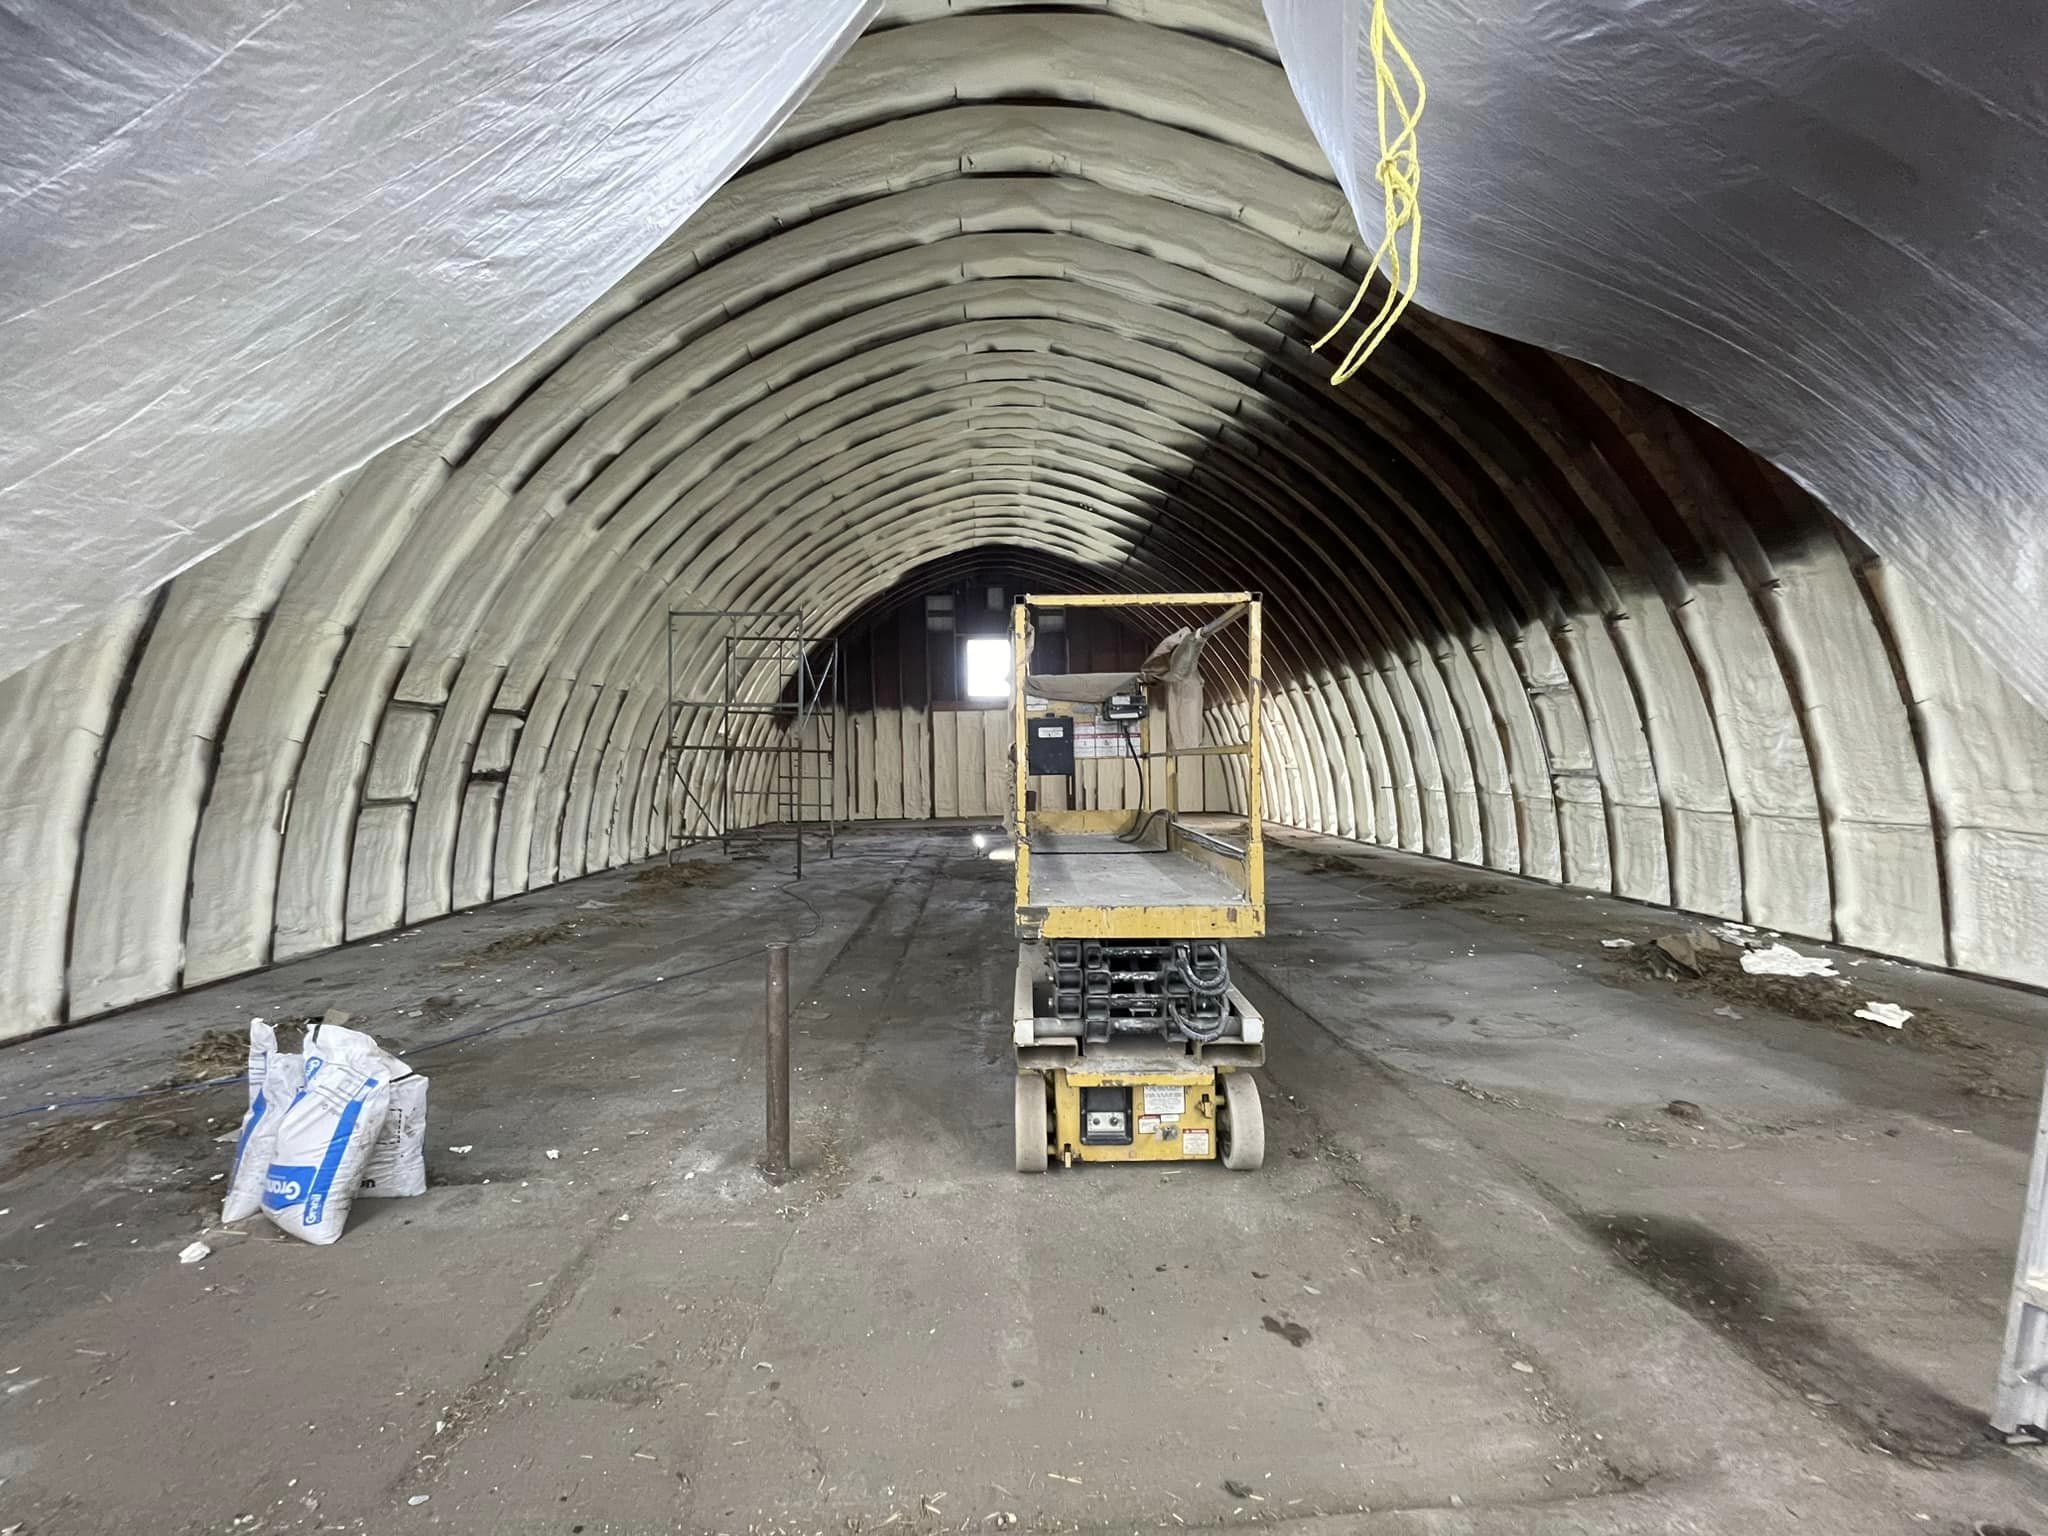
(1820, 224)
(242, 247)
(245, 246)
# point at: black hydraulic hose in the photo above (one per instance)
(1210, 986)
(1140, 819)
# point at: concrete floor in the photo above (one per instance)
(1487, 1281)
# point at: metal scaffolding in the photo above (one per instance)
(753, 749)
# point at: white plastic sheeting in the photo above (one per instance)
(243, 246)
(1821, 224)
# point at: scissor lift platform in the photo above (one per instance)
(1131, 1044)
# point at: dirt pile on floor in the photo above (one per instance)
(1421, 891)
(1410, 890)
(1694, 963)
(513, 945)
(216, 1053)
(665, 878)
(225, 1052)
(167, 1131)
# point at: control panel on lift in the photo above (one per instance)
(1049, 748)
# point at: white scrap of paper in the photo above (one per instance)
(1890, 1014)
(1784, 960)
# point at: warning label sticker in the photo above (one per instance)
(1194, 1143)
(1101, 738)
(1165, 1099)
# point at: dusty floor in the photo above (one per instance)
(1492, 1279)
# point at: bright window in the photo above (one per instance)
(987, 667)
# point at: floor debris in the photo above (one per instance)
(1784, 960)
(1293, 1332)
(1885, 1013)
(192, 1253)
(216, 1053)
(1685, 954)
(709, 1281)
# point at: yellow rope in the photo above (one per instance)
(1400, 176)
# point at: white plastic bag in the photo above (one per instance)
(398, 1162)
(325, 1136)
(274, 1078)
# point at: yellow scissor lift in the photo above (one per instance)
(1132, 1045)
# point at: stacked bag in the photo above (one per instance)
(341, 1120)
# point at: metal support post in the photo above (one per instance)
(2020, 1408)
(776, 1164)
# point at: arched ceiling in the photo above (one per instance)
(1036, 285)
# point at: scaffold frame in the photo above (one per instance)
(752, 747)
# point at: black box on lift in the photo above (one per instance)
(1049, 746)
(1106, 1117)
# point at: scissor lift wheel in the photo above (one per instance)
(1243, 1126)
(1031, 1122)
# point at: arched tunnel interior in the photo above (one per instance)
(484, 749)
(1034, 290)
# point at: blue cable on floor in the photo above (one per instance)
(419, 1050)
(90, 1100)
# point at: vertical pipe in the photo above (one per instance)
(671, 754)
(802, 762)
(1020, 778)
(725, 749)
(1172, 770)
(776, 1163)
(1254, 798)
(835, 695)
